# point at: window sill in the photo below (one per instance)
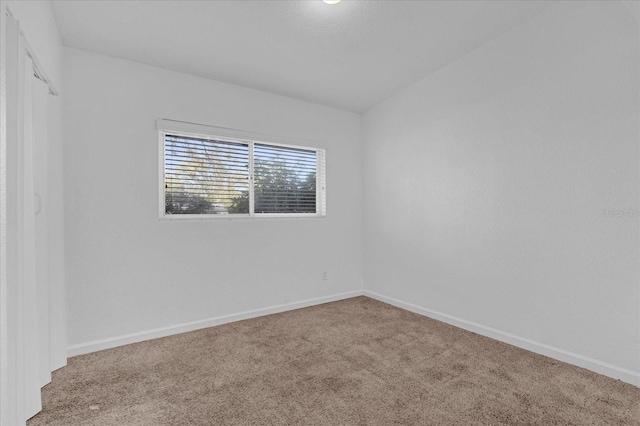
(216, 217)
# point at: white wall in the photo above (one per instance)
(486, 184)
(129, 272)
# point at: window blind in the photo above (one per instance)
(205, 176)
(220, 175)
(285, 179)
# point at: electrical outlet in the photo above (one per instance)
(324, 275)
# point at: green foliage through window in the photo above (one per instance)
(205, 176)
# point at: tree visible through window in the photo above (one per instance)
(214, 177)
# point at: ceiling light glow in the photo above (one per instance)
(332, 1)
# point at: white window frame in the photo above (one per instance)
(201, 131)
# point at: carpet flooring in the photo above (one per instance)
(352, 362)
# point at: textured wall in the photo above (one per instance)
(129, 272)
(487, 184)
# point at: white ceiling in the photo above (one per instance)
(351, 55)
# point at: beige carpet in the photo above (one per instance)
(353, 362)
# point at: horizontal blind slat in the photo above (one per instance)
(211, 176)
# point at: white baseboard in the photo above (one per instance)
(112, 342)
(600, 367)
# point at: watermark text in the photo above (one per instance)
(621, 212)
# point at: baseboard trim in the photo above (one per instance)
(112, 342)
(594, 365)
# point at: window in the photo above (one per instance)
(226, 173)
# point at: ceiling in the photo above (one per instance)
(351, 55)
